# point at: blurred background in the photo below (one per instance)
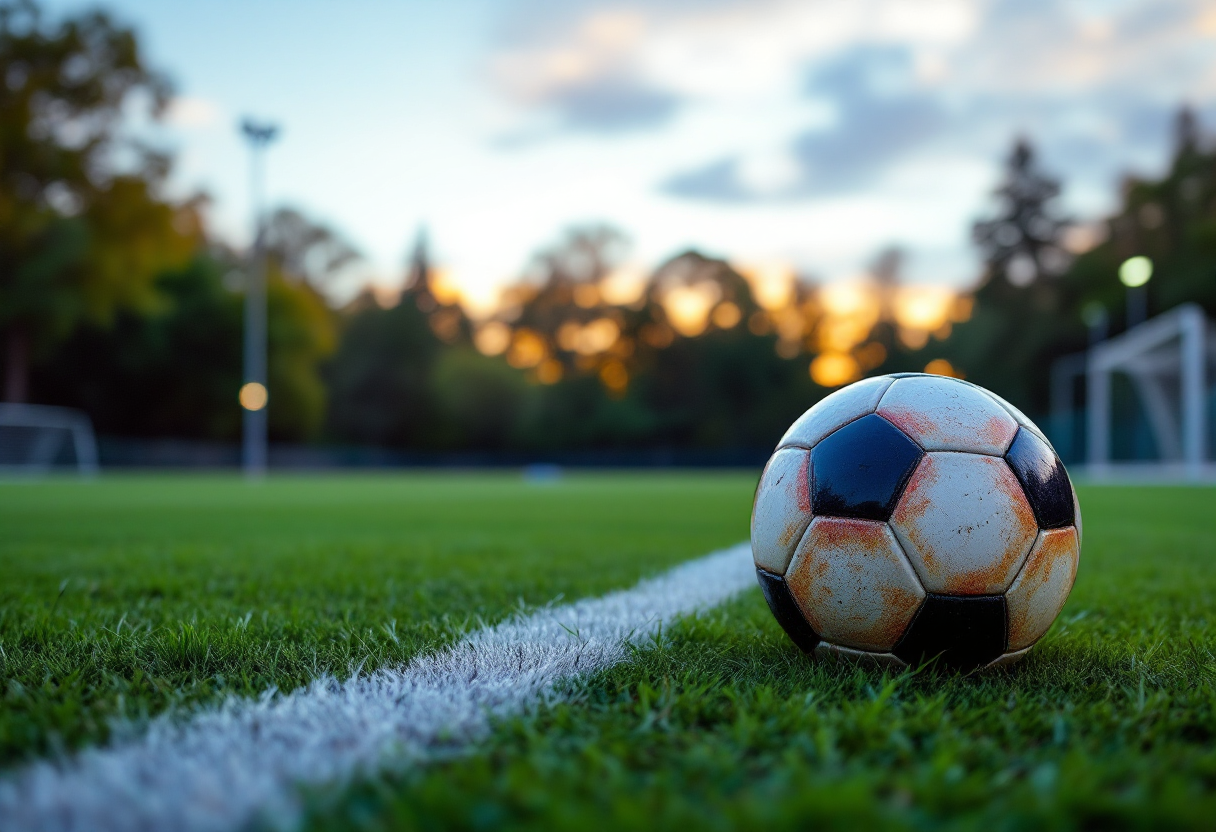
(595, 232)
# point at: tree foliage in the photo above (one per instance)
(83, 228)
(1017, 331)
(122, 305)
(306, 250)
(1021, 242)
(576, 367)
(174, 371)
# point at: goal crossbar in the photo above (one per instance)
(1173, 351)
(51, 425)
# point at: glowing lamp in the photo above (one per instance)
(1135, 271)
(253, 396)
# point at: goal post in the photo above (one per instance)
(34, 437)
(1169, 361)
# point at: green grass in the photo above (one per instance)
(126, 596)
(1109, 724)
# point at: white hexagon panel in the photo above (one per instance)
(782, 509)
(845, 405)
(1039, 591)
(1018, 416)
(945, 414)
(965, 524)
(853, 583)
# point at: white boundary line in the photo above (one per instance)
(244, 761)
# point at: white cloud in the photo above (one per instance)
(403, 120)
(192, 113)
(903, 146)
(718, 51)
(721, 54)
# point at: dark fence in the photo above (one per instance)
(121, 452)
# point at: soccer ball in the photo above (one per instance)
(913, 517)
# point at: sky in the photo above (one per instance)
(814, 133)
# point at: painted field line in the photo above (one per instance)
(243, 762)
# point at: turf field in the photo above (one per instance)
(127, 597)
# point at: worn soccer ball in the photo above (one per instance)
(911, 517)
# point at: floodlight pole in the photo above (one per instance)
(1137, 305)
(253, 450)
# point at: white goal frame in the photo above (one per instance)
(53, 425)
(1169, 360)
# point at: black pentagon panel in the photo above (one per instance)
(861, 469)
(786, 611)
(1043, 478)
(960, 633)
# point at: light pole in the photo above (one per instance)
(1097, 321)
(254, 396)
(1134, 274)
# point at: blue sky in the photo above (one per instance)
(813, 132)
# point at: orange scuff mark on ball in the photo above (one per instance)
(998, 430)
(995, 576)
(915, 423)
(852, 583)
(1055, 549)
(804, 484)
(914, 503)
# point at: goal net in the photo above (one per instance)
(36, 439)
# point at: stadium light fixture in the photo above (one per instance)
(1135, 271)
(254, 396)
(1134, 274)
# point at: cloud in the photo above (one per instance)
(1095, 87)
(586, 79)
(638, 66)
(718, 181)
(825, 129)
(881, 115)
(613, 103)
(607, 65)
(188, 112)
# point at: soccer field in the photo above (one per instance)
(129, 597)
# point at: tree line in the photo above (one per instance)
(1037, 301)
(118, 299)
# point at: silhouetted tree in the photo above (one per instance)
(1017, 332)
(381, 378)
(1022, 241)
(306, 250)
(1018, 305)
(1173, 221)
